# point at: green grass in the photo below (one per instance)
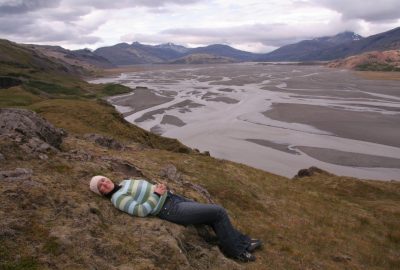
(53, 89)
(112, 89)
(21, 264)
(52, 247)
(17, 97)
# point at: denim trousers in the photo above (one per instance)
(180, 210)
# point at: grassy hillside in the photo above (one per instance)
(66, 100)
(52, 220)
(371, 61)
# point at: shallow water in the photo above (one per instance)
(269, 116)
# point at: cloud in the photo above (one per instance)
(257, 36)
(23, 6)
(107, 4)
(28, 29)
(368, 10)
(68, 21)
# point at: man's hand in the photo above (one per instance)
(160, 189)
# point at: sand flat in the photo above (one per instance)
(140, 99)
(310, 106)
(365, 126)
(172, 120)
(350, 159)
(277, 146)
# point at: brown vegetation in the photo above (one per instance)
(370, 61)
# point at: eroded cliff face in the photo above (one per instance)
(49, 218)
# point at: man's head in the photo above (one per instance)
(101, 185)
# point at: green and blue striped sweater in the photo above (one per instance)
(137, 198)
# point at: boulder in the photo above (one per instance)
(28, 126)
(105, 141)
(171, 172)
(16, 175)
(310, 172)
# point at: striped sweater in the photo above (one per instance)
(137, 198)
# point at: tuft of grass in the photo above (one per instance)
(17, 97)
(112, 89)
(52, 247)
(52, 89)
(21, 264)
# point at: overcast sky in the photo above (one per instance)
(251, 25)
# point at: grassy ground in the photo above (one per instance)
(322, 222)
(318, 222)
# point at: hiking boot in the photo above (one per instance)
(254, 244)
(246, 256)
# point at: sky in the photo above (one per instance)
(250, 25)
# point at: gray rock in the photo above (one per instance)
(310, 172)
(2, 157)
(43, 156)
(16, 175)
(77, 154)
(341, 258)
(28, 126)
(207, 153)
(171, 172)
(126, 168)
(105, 141)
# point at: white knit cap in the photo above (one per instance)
(93, 183)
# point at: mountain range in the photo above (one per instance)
(319, 49)
(340, 46)
(326, 48)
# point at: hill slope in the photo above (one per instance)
(82, 58)
(300, 51)
(202, 58)
(224, 51)
(321, 50)
(50, 220)
(370, 61)
(136, 53)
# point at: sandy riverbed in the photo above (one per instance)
(277, 118)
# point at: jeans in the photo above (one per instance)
(180, 210)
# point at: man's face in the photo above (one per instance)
(105, 185)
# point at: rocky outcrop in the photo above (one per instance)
(17, 174)
(310, 172)
(30, 129)
(105, 141)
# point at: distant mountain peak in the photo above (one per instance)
(333, 47)
(340, 38)
(172, 46)
(349, 34)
